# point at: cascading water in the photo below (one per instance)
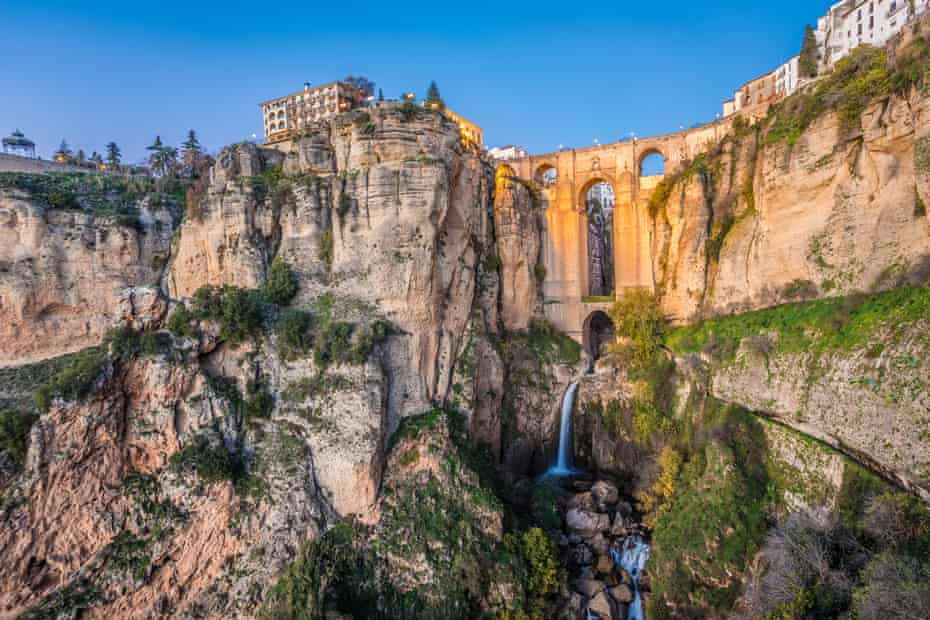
(563, 465)
(632, 558)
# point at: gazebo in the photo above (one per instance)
(18, 144)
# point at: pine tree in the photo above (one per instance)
(81, 156)
(63, 149)
(380, 95)
(433, 98)
(162, 157)
(114, 155)
(191, 154)
(809, 60)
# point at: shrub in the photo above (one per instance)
(409, 111)
(799, 289)
(638, 319)
(539, 271)
(14, 433)
(920, 209)
(72, 382)
(652, 502)
(899, 521)
(544, 508)
(894, 587)
(129, 553)
(127, 343)
(280, 284)
(237, 311)
(214, 464)
(179, 323)
(714, 243)
(325, 253)
(542, 559)
(332, 343)
(294, 333)
(549, 344)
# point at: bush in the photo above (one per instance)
(237, 311)
(74, 381)
(638, 319)
(179, 323)
(549, 344)
(280, 284)
(126, 343)
(215, 464)
(14, 433)
(899, 521)
(294, 333)
(799, 289)
(326, 247)
(894, 587)
(409, 111)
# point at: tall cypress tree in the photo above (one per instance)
(433, 98)
(809, 60)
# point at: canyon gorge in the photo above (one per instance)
(330, 380)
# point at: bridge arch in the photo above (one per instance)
(652, 162)
(546, 175)
(597, 334)
(598, 200)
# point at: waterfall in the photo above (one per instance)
(563, 466)
(632, 558)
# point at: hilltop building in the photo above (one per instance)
(846, 26)
(18, 144)
(852, 23)
(287, 116)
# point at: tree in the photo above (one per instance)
(113, 154)
(433, 98)
(64, 150)
(362, 83)
(191, 154)
(380, 95)
(81, 156)
(163, 158)
(810, 59)
(96, 157)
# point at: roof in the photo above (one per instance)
(17, 138)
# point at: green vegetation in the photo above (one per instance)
(548, 344)
(325, 253)
(19, 382)
(409, 111)
(280, 284)
(719, 231)
(329, 341)
(14, 433)
(810, 58)
(179, 323)
(216, 463)
(820, 325)
(94, 193)
(238, 312)
(920, 209)
(72, 382)
(130, 554)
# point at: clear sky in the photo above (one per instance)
(537, 75)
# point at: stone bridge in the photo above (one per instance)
(564, 179)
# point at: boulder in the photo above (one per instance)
(603, 607)
(620, 525)
(589, 587)
(622, 593)
(586, 523)
(599, 545)
(605, 495)
(573, 608)
(581, 555)
(605, 566)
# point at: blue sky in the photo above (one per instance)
(538, 74)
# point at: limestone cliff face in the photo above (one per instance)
(388, 211)
(390, 217)
(66, 276)
(517, 224)
(763, 222)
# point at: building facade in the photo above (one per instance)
(287, 116)
(505, 153)
(18, 144)
(846, 26)
(470, 132)
(852, 23)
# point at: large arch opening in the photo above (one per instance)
(546, 175)
(599, 209)
(598, 334)
(503, 177)
(652, 164)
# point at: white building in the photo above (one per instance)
(506, 153)
(852, 23)
(846, 26)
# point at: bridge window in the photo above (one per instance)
(546, 176)
(599, 207)
(598, 334)
(652, 164)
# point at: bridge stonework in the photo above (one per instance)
(565, 237)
